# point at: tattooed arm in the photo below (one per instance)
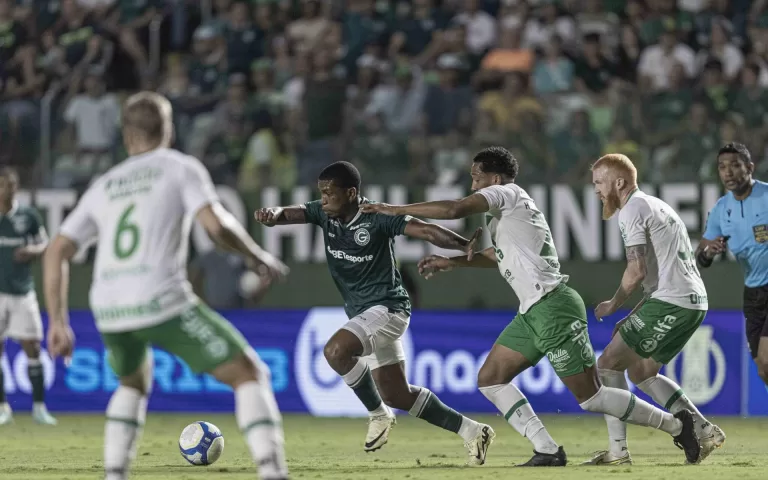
(634, 274)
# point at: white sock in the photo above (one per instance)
(126, 412)
(518, 412)
(628, 408)
(617, 430)
(260, 422)
(669, 394)
(468, 429)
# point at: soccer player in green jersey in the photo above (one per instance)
(368, 352)
(552, 320)
(141, 212)
(661, 260)
(22, 241)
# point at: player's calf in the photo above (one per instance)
(256, 411)
(35, 373)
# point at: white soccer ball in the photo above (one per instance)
(201, 443)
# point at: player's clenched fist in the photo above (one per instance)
(268, 265)
(268, 216)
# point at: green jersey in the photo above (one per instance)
(361, 258)
(20, 227)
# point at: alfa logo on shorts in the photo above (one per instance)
(587, 352)
(362, 237)
(648, 344)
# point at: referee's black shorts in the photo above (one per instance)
(756, 315)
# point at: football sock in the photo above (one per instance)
(126, 412)
(360, 380)
(617, 430)
(35, 373)
(260, 422)
(669, 394)
(628, 408)
(430, 409)
(520, 415)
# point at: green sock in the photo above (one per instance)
(360, 380)
(429, 408)
(2, 386)
(35, 372)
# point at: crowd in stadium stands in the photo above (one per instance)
(267, 92)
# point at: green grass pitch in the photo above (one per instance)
(331, 449)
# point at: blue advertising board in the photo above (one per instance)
(757, 396)
(444, 351)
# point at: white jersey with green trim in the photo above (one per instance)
(523, 243)
(671, 272)
(141, 212)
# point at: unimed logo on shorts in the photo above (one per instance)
(324, 392)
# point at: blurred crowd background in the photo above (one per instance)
(267, 92)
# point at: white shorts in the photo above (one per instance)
(20, 317)
(379, 330)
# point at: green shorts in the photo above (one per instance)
(199, 336)
(659, 330)
(555, 326)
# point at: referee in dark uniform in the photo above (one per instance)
(739, 222)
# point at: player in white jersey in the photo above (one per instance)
(141, 212)
(661, 259)
(552, 319)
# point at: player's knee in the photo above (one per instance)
(639, 372)
(136, 381)
(239, 370)
(608, 361)
(491, 374)
(335, 353)
(31, 348)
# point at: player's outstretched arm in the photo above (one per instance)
(432, 264)
(441, 236)
(280, 216)
(634, 274)
(439, 210)
(227, 233)
(56, 291)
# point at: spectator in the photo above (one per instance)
(656, 61)
(751, 103)
(508, 56)
(447, 105)
(539, 31)
(664, 110)
(323, 104)
(714, 89)
(245, 41)
(400, 105)
(664, 13)
(509, 104)
(77, 44)
(630, 50)
(130, 22)
(480, 27)
(594, 72)
(576, 148)
(309, 28)
(594, 21)
(93, 117)
(553, 72)
(419, 31)
(266, 95)
(269, 157)
(722, 50)
(695, 143)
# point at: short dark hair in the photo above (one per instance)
(497, 160)
(342, 174)
(737, 148)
